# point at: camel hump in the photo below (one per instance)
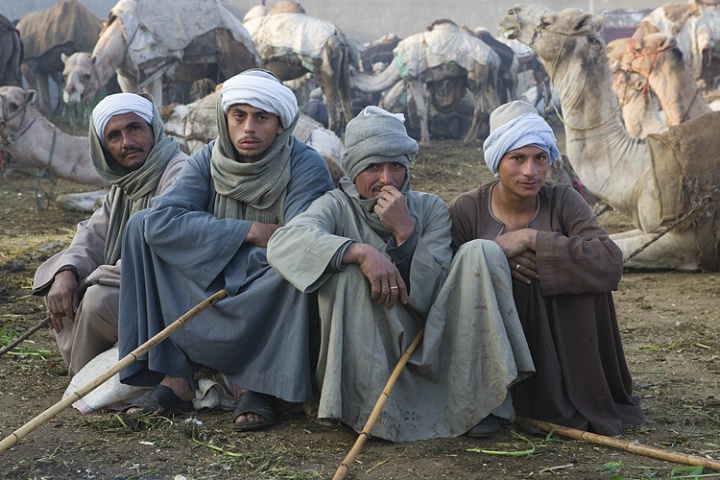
(67, 22)
(287, 7)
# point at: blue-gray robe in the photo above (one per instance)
(178, 254)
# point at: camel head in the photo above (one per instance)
(13, 106)
(641, 54)
(551, 34)
(81, 81)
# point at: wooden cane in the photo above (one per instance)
(365, 434)
(24, 336)
(632, 447)
(131, 357)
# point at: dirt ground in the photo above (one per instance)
(668, 320)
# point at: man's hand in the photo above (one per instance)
(63, 299)
(519, 248)
(260, 233)
(386, 283)
(393, 212)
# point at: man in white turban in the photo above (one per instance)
(210, 232)
(564, 268)
(133, 155)
(378, 256)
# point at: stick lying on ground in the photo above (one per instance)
(632, 447)
(365, 434)
(24, 336)
(23, 431)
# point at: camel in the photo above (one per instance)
(33, 139)
(448, 61)
(530, 66)
(11, 53)
(194, 125)
(63, 29)
(640, 106)
(148, 43)
(292, 44)
(657, 58)
(695, 26)
(509, 65)
(665, 184)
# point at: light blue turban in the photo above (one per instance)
(516, 125)
(117, 104)
(260, 89)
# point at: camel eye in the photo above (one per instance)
(86, 77)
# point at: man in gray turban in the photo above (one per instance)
(133, 155)
(210, 232)
(378, 255)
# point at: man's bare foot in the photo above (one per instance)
(172, 395)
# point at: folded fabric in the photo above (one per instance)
(110, 395)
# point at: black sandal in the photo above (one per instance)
(259, 404)
(161, 397)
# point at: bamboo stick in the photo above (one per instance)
(632, 447)
(365, 434)
(131, 357)
(24, 336)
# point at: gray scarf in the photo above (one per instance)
(251, 191)
(131, 191)
(364, 207)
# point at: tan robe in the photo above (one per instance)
(95, 327)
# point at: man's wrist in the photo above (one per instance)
(68, 268)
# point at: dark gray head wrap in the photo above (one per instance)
(376, 136)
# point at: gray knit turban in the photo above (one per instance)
(376, 136)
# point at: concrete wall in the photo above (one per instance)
(365, 20)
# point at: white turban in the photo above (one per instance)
(516, 125)
(260, 89)
(118, 104)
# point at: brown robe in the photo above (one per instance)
(582, 380)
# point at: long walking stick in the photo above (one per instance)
(365, 434)
(632, 447)
(24, 336)
(23, 431)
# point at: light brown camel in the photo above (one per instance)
(194, 125)
(11, 53)
(33, 139)
(655, 182)
(291, 44)
(656, 57)
(148, 43)
(640, 106)
(63, 29)
(445, 60)
(695, 25)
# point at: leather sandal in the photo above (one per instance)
(161, 397)
(259, 404)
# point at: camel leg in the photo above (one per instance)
(417, 92)
(674, 250)
(392, 96)
(155, 89)
(127, 84)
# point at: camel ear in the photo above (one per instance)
(589, 23)
(548, 19)
(93, 59)
(30, 96)
(63, 57)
